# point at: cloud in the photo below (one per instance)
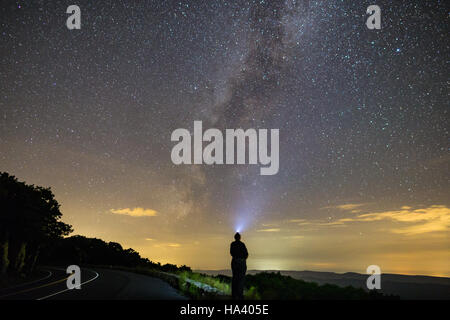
(174, 245)
(270, 225)
(269, 230)
(432, 219)
(408, 221)
(297, 220)
(165, 245)
(315, 222)
(294, 237)
(135, 212)
(322, 264)
(346, 207)
(149, 239)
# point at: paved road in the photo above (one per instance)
(96, 284)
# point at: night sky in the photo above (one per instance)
(363, 119)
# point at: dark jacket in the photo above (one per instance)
(238, 250)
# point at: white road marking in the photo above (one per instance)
(34, 281)
(54, 294)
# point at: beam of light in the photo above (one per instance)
(247, 209)
(244, 219)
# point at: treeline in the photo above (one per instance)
(29, 220)
(81, 250)
(31, 233)
(276, 286)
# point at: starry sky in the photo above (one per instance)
(362, 114)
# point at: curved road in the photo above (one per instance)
(96, 284)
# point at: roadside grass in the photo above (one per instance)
(212, 287)
(193, 285)
(220, 285)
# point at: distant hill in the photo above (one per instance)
(405, 286)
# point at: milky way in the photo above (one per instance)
(363, 114)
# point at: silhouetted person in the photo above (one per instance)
(238, 266)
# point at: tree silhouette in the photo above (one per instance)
(29, 219)
(31, 232)
(81, 250)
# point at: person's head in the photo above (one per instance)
(237, 236)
